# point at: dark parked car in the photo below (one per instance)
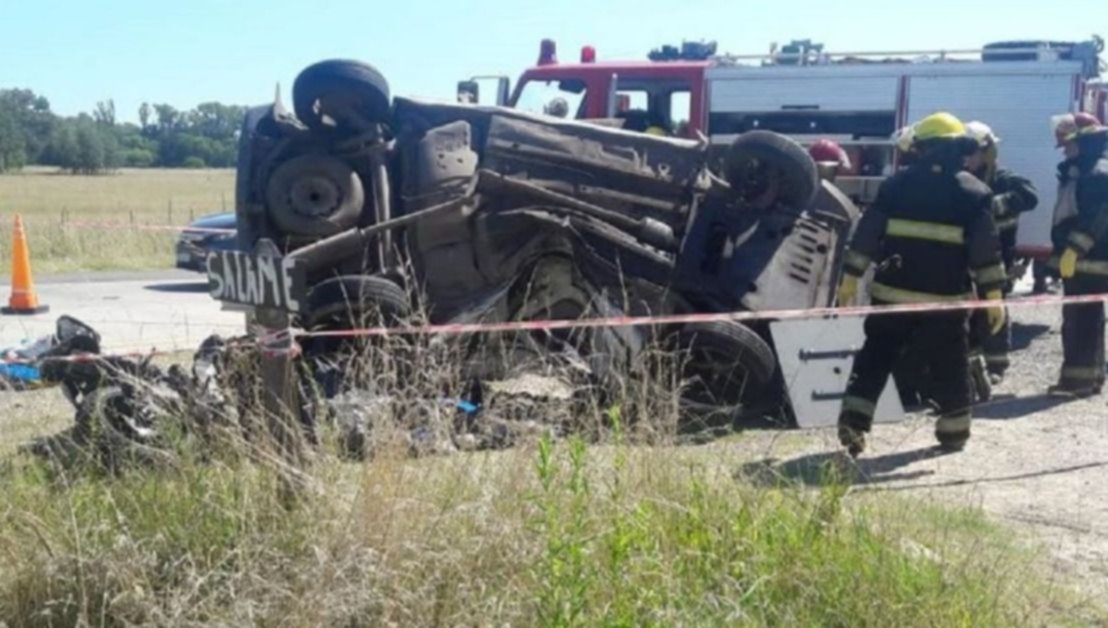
(507, 216)
(216, 232)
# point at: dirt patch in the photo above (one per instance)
(1033, 462)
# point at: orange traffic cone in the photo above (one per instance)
(24, 299)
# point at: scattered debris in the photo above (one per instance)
(129, 411)
(20, 366)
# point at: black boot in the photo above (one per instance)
(853, 440)
(1073, 391)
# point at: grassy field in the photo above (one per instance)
(57, 207)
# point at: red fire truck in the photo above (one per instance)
(859, 99)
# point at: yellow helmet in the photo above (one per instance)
(938, 126)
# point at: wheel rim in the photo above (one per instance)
(315, 196)
(310, 192)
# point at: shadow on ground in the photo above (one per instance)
(836, 468)
(1018, 477)
(1006, 409)
(1024, 335)
(177, 287)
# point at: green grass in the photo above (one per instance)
(557, 534)
(54, 205)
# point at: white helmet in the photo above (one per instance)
(983, 133)
(904, 138)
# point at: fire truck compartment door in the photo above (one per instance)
(800, 91)
(1018, 107)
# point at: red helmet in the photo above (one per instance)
(828, 152)
(1088, 124)
(1070, 126)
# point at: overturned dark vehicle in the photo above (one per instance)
(478, 214)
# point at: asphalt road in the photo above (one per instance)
(165, 275)
(133, 311)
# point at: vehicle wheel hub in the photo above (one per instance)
(315, 195)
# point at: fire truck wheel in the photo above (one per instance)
(314, 195)
(725, 364)
(759, 156)
(339, 93)
(352, 302)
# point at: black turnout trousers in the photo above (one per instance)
(944, 336)
(1083, 334)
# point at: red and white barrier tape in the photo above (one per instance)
(642, 321)
(122, 226)
(268, 341)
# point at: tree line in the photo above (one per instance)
(89, 143)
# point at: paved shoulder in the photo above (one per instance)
(164, 311)
(167, 274)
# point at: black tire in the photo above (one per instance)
(337, 88)
(108, 416)
(754, 153)
(354, 302)
(726, 364)
(99, 405)
(350, 301)
(314, 195)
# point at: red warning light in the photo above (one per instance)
(588, 54)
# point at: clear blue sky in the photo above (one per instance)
(189, 51)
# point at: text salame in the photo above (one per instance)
(256, 280)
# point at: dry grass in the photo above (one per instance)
(53, 205)
(553, 533)
(30, 414)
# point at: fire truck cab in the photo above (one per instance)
(858, 99)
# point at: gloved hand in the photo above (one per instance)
(1067, 265)
(997, 315)
(848, 290)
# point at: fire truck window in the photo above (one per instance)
(680, 108)
(559, 98)
(633, 100)
(642, 110)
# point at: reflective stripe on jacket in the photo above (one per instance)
(929, 232)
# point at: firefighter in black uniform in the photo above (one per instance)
(1012, 196)
(1080, 237)
(929, 232)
